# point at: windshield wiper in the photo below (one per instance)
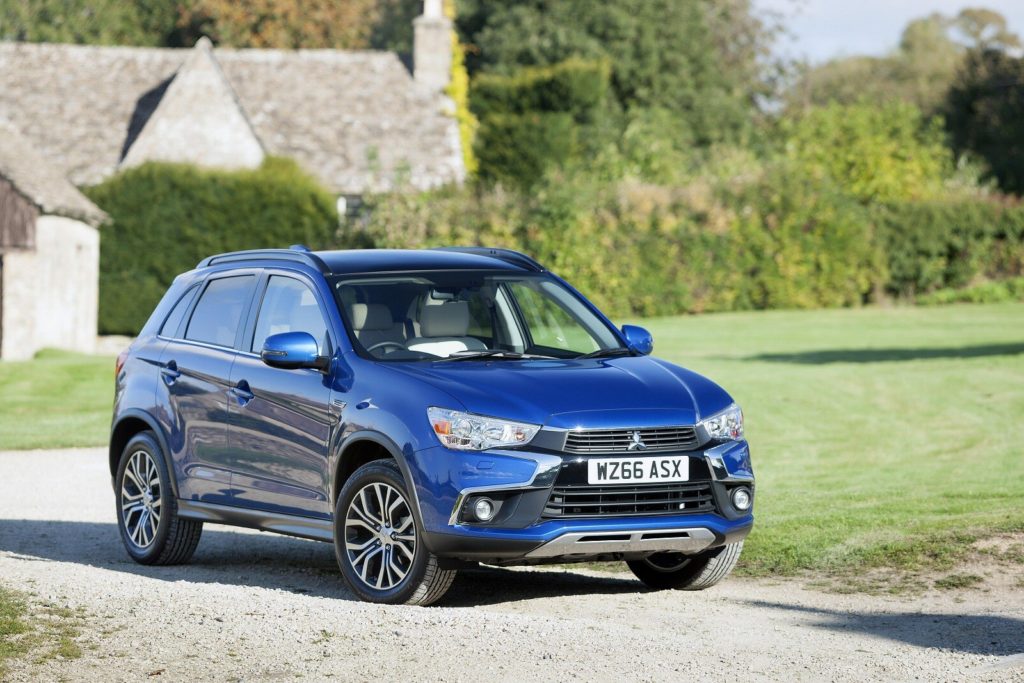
(605, 353)
(490, 353)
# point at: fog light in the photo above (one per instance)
(483, 508)
(741, 499)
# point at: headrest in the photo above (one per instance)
(450, 319)
(370, 317)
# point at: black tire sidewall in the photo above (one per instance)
(674, 579)
(145, 441)
(381, 471)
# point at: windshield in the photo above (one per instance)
(463, 315)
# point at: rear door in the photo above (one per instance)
(280, 420)
(195, 369)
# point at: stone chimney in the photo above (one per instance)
(432, 47)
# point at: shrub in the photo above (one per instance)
(775, 241)
(984, 293)
(166, 217)
(799, 243)
(949, 244)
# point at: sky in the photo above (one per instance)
(822, 29)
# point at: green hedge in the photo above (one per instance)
(575, 86)
(949, 244)
(780, 241)
(166, 217)
(518, 149)
(531, 121)
(983, 293)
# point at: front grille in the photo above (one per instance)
(616, 501)
(619, 440)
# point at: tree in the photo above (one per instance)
(875, 153)
(919, 71)
(94, 22)
(695, 59)
(347, 24)
(985, 114)
(985, 29)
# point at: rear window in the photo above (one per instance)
(173, 322)
(216, 317)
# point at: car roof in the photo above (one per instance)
(385, 260)
(354, 261)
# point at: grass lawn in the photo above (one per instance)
(881, 437)
(42, 629)
(58, 399)
(12, 625)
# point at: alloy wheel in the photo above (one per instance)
(140, 499)
(380, 536)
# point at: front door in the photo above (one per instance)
(195, 369)
(279, 420)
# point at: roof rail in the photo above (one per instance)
(507, 255)
(296, 254)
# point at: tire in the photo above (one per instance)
(675, 571)
(147, 510)
(378, 540)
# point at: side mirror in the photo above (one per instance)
(638, 339)
(293, 350)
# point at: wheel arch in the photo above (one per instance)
(130, 423)
(363, 447)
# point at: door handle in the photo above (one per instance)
(242, 393)
(170, 372)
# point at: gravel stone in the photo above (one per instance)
(254, 606)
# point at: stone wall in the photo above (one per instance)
(50, 293)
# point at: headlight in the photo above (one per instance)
(468, 432)
(727, 424)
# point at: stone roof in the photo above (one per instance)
(39, 182)
(356, 120)
(198, 120)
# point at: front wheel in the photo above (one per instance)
(378, 544)
(668, 571)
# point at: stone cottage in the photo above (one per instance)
(359, 121)
(49, 255)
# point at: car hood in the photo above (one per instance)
(593, 393)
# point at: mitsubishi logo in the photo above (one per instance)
(637, 444)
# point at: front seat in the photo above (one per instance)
(373, 324)
(444, 330)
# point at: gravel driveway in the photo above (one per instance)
(255, 606)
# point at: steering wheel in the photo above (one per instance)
(385, 343)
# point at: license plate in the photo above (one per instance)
(638, 470)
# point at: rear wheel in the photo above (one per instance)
(666, 571)
(377, 540)
(147, 511)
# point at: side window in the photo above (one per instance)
(289, 305)
(216, 317)
(173, 321)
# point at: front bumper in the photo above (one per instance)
(525, 480)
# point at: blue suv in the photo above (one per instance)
(423, 411)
